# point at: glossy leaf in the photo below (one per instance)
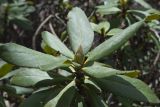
(99, 71)
(29, 77)
(54, 42)
(113, 43)
(22, 56)
(62, 99)
(127, 87)
(80, 31)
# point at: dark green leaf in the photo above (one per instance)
(23, 22)
(62, 99)
(2, 103)
(94, 99)
(40, 98)
(127, 87)
(16, 89)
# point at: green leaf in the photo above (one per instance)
(113, 43)
(50, 82)
(107, 11)
(16, 89)
(54, 42)
(4, 68)
(94, 99)
(101, 28)
(127, 87)
(22, 56)
(80, 31)
(144, 3)
(29, 77)
(40, 98)
(89, 82)
(99, 71)
(125, 102)
(62, 99)
(114, 31)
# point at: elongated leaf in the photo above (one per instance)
(54, 42)
(107, 11)
(99, 71)
(22, 56)
(40, 98)
(129, 88)
(94, 99)
(80, 31)
(62, 99)
(29, 77)
(114, 42)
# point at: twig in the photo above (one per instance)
(156, 59)
(156, 34)
(37, 31)
(51, 28)
(91, 14)
(109, 99)
(56, 15)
